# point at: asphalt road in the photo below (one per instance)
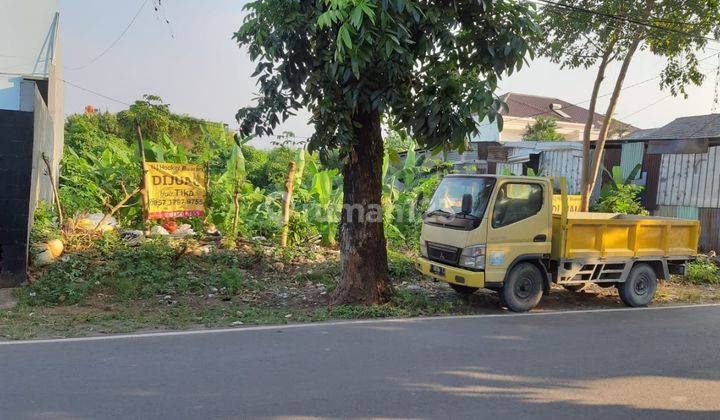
(598, 364)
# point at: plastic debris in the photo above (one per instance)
(158, 230)
(44, 258)
(55, 247)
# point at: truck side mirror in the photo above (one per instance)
(466, 204)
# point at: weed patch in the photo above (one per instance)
(702, 270)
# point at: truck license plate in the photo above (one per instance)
(440, 271)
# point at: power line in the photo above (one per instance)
(645, 107)
(95, 93)
(122, 34)
(626, 19)
(577, 104)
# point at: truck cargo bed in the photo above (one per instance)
(609, 235)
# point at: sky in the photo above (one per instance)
(196, 67)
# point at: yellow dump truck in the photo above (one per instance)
(501, 233)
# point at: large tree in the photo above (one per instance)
(430, 66)
(586, 33)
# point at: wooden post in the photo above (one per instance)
(141, 149)
(286, 205)
(236, 210)
(56, 197)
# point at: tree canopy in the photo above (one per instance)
(598, 32)
(430, 66)
(543, 129)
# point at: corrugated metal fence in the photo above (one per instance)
(690, 180)
(565, 163)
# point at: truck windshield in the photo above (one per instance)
(449, 194)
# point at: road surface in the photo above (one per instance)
(656, 363)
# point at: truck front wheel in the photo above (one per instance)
(523, 288)
(640, 286)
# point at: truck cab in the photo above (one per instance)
(476, 228)
(501, 233)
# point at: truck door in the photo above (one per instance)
(519, 224)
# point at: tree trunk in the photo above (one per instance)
(602, 136)
(589, 123)
(289, 184)
(362, 238)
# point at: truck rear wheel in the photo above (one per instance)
(640, 286)
(523, 288)
(463, 290)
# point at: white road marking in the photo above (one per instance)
(277, 327)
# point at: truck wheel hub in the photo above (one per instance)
(523, 288)
(641, 285)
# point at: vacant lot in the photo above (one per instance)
(107, 286)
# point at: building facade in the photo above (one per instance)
(523, 110)
(31, 123)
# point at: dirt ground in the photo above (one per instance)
(298, 301)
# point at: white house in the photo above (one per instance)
(523, 110)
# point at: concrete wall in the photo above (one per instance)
(16, 148)
(43, 133)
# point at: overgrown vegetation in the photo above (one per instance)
(101, 163)
(543, 129)
(620, 195)
(703, 271)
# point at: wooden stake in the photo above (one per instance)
(141, 149)
(56, 197)
(236, 214)
(286, 205)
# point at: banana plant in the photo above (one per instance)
(234, 177)
(617, 180)
(327, 204)
(165, 150)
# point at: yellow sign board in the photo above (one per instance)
(175, 190)
(574, 203)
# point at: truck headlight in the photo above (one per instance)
(473, 257)
(423, 249)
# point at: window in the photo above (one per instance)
(448, 196)
(516, 202)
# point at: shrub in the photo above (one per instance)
(155, 268)
(703, 270)
(272, 173)
(231, 280)
(400, 265)
(620, 195)
(44, 224)
(622, 199)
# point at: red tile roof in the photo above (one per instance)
(531, 106)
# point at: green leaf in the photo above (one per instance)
(344, 35)
(356, 17)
